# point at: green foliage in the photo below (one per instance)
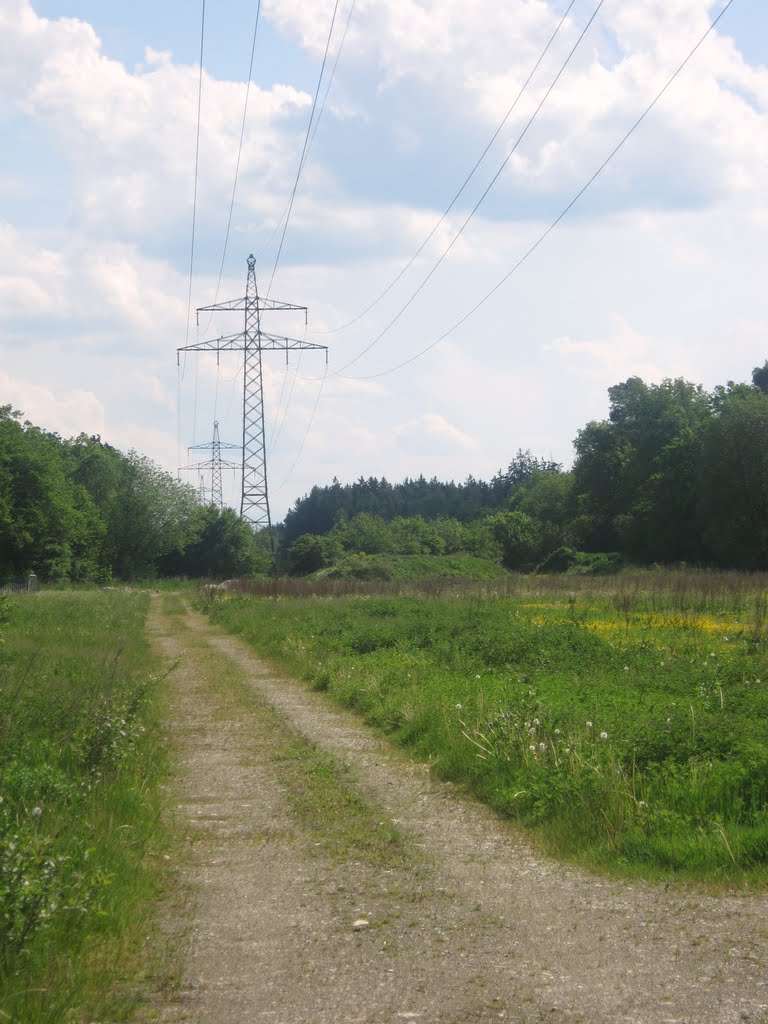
(79, 769)
(629, 728)
(521, 537)
(325, 507)
(734, 479)
(80, 510)
(760, 377)
(223, 546)
(366, 535)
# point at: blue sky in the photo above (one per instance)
(656, 272)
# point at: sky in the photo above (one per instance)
(658, 270)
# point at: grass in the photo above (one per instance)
(80, 835)
(624, 723)
(411, 567)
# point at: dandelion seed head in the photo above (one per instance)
(532, 748)
(37, 812)
(458, 707)
(589, 725)
(603, 735)
(542, 746)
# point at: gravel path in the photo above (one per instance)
(469, 926)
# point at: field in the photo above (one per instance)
(80, 839)
(624, 722)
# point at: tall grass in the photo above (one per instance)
(80, 761)
(625, 723)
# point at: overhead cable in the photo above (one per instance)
(237, 161)
(479, 202)
(461, 189)
(554, 223)
(316, 124)
(304, 149)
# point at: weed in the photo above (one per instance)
(633, 734)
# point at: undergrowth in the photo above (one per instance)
(629, 730)
(80, 760)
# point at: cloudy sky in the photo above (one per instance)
(658, 270)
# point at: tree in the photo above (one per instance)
(635, 475)
(225, 547)
(733, 509)
(520, 537)
(760, 377)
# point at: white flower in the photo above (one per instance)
(477, 677)
(557, 732)
(626, 668)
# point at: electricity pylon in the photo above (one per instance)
(214, 464)
(252, 341)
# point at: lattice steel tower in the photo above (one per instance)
(252, 341)
(214, 464)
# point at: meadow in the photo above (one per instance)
(622, 721)
(80, 834)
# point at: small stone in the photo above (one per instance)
(361, 924)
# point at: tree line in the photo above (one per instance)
(79, 509)
(674, 474)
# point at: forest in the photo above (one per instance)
(675, 474)
(80, 510)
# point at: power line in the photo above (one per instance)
(279, 421)
(314, 129)
(479, 202)
(306, 434)
(554, 223)
(237, 162)
(197, 168)
(463, 185)
(304, 150)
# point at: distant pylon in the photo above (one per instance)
(252, 341)
(214, 464)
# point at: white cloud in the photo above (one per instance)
(431, 434)
(68, 412)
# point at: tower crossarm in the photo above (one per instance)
(265, 342)
(272, 342)
(210, 465)
(227, 343)
(265, 305)
(211, 447)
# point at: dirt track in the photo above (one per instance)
(464, 922)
